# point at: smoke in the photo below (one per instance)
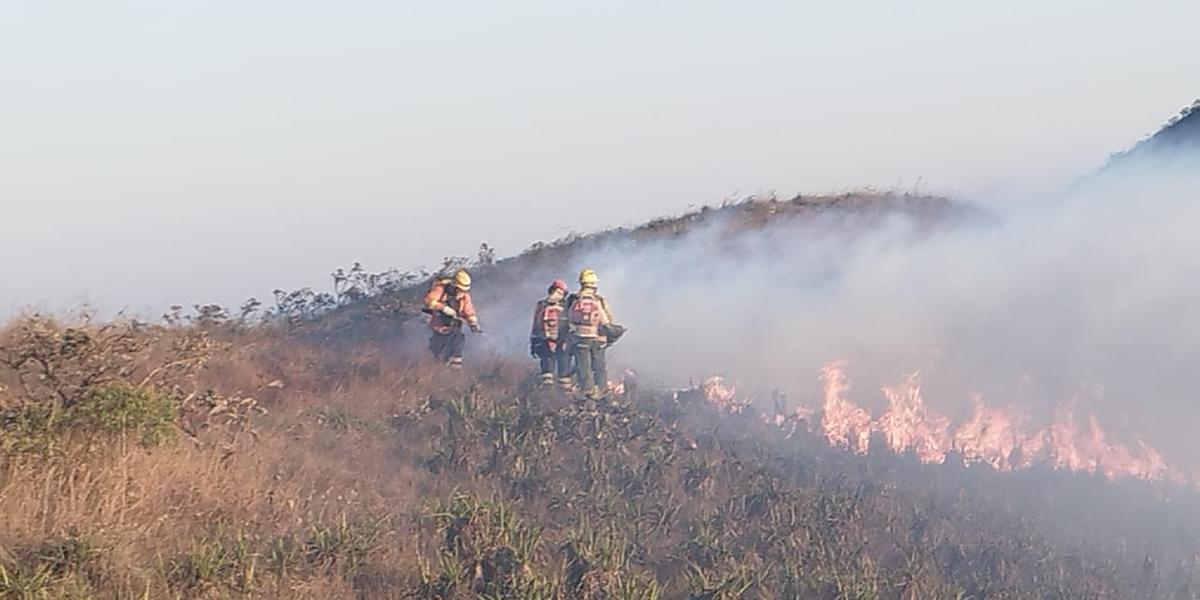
(1091, 297)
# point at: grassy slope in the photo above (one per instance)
(373, 474)
(847, 211)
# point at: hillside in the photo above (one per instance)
(1177, 140)
(532, 269)
(317, 453)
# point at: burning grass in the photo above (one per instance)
(999, 436)
(295, 469)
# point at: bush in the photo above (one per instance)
(29, 428)
(121, 408)
(112, 409)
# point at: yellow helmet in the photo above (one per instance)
(462, 280)
(587, 278)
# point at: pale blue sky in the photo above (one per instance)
(160, 152)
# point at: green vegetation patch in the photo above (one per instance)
(142, 413)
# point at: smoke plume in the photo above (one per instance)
(1091, 298)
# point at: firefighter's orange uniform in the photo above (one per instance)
(449, 305)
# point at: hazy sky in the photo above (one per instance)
(177, 152)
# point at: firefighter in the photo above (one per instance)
(449, 305)
(544, 339)
(589, 318)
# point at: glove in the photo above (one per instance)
(533, 347)
(475, 327)
(449, 312)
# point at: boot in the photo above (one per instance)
(547, 378)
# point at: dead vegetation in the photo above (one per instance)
(187, 462)
(223, 455)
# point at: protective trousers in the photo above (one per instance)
(448, 347)
(553, 358)
(591, 364)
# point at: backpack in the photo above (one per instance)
(586, 311)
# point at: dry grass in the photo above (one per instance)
(379, 476)
(330, 460)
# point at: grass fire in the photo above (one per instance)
(321, 447)
(881, 393)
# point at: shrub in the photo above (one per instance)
(124, 409)
(29, 427)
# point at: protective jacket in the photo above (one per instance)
(547, 320)
(442, 294)
(587, 314)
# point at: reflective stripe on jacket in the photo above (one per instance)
(587, 314)
(546, 320)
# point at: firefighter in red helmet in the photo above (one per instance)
(545, 341)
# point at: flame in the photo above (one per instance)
(990, 436)
(999, 436)
(995, 435)
(790, 423)
(627, 382)
(723, 395)
(845, 424)
(1066, 444)
(908, 425)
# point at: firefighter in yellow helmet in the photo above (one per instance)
(449, 306)
(589, 321)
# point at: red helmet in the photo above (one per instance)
(558, 285)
